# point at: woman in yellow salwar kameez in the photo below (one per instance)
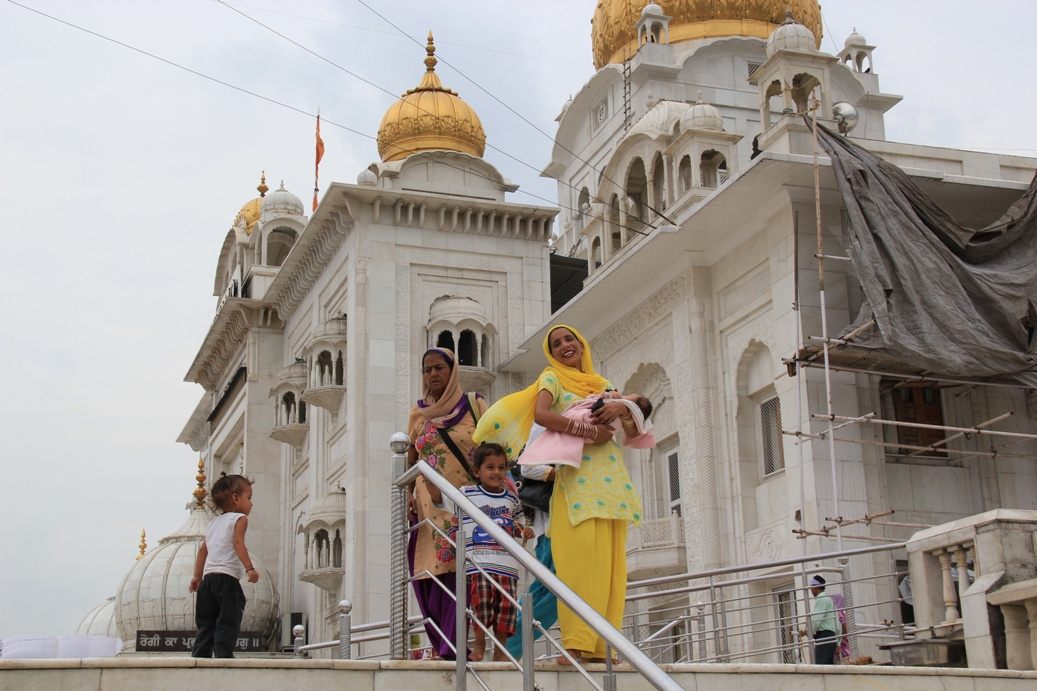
(591, 505)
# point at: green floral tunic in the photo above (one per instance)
(601, 486)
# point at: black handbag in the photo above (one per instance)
(534, 493)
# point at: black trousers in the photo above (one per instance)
(217, 613)
(824, 647)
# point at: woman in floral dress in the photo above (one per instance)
(443, 410)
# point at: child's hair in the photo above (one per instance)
(484, 451)
(644, 404)
(226, 486)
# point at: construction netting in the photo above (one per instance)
(945, 299)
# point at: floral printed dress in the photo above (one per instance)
(433, 552)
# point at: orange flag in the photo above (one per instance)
(316, 165)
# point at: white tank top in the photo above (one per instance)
(219, 540)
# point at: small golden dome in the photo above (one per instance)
(430, 117)
(613, 26)
(251, 210)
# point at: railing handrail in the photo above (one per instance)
(791, 561)
(369, 626)
(615, 638)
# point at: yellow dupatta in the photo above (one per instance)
(509, 420)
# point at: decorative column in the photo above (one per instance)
(671, 182)
(361, 458)
(710, 525)
(950, 601)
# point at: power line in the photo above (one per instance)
(302, 111)
(397, 35)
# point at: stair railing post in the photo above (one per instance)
(398, 443)
(345, 630)
(461, 592)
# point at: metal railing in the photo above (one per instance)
(613, 637)
(733, 614)
(375, 630)
(760, 612)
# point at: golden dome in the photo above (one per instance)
(251, 210)
(430, 117)
(613, 32)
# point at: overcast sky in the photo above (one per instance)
(132, 132)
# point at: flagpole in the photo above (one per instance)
(316, 165)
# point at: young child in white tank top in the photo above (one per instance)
(222, 560)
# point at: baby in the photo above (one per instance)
(566, 448)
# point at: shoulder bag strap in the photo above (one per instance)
(473, 406)
(445, 436)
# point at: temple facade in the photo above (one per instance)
(693, 207)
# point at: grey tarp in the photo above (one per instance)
(946, 299)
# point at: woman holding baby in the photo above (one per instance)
(594, 499)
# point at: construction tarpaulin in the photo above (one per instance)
(946, 299)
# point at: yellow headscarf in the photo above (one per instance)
(509, 420)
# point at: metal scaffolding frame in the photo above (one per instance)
(840, 355)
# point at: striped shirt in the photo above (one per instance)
(506, 511)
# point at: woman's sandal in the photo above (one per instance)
(563, 660)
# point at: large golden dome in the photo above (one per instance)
(430, 117)
(612, 28)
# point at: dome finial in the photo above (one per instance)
(430, 59)
(143, 545)
(262, 185)
(200, 493)
(430, 117)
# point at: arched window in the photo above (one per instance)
(774, 105)
(340, 373)
(278, 244)
(325, 369)
(659, 185)
(596, 253)
(322, 549)
(445, 340)
(288, 408)
(684, 171)
(709, 168)
(336, 551)
(636, 189)
(803, 86)
(466, 350)
(615, 222)
(582, 204)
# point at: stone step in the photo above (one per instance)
(178, 673)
